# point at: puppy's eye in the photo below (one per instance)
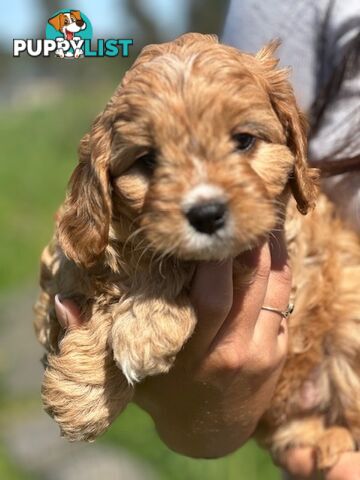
(244, 141)
(147, 161)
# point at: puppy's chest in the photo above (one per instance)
(166, 280)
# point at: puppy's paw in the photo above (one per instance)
(83, 390)
(146, 338)
(334, 442)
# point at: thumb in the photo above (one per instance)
(299, 463)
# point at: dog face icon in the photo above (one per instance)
(68, 23)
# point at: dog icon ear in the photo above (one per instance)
(76, 14)
(84, 221)
(57, 22)
(304, 180)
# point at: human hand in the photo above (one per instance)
(222, 381)
(300, 465)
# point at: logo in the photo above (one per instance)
(69, 35)
(69, 29)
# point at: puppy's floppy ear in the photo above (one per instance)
(304, 180)
(85, 218)
(57, 21)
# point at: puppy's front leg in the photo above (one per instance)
(83, 390)
(148, 333)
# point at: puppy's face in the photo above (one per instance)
(199, 152)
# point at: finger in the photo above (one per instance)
(271, 327)
(240, 323)
(211, 295)
(67, 313)
(299, 463)
(347, 468)
(278, 250)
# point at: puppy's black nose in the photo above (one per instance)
(79, 23)
(207, 217)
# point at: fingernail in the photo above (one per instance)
(279, 255)
(63, 320)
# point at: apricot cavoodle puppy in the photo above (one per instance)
(197, 156)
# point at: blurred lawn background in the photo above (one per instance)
(46, 105)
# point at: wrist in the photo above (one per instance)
(203, 441)
(203, 426)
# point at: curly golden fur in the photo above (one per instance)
(125, 251)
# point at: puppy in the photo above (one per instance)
(68, 24)
(198, 155)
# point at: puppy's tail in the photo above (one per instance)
(83, 390)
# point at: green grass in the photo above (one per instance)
(38, 153)
(9, 471)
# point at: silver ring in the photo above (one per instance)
(284, 313)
